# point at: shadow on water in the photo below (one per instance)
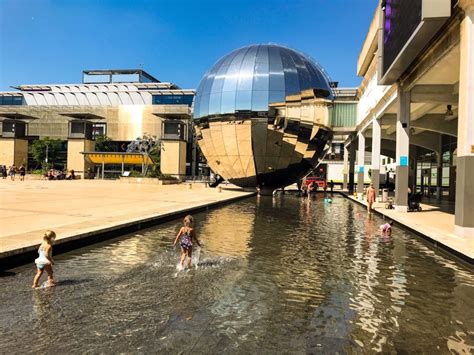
(7, 273)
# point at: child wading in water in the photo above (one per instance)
(386, 228)
(45, 260)
(188, 236)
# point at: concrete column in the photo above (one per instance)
(464, 213)
(360, 162)
(439, 169)
(376, 140)
(452, 177)
(402, 145)
(412, 168)
(345, 170)
(352, 157)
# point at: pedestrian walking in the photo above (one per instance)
(370, 198)
(22, 172)
(12, 172)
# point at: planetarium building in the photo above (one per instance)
(262, 115)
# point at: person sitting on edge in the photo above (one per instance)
(188, 236)
(45, 260)
(370, 197)
(386, 228)
(71, 175)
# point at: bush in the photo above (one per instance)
(38, 151)
(104, 144)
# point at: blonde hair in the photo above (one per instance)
(188, 221)
(49, 236)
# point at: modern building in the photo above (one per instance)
(121, 104)
(262, 116)
(416, 102)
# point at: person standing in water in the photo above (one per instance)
(370, 197)
(188, 236)
(45, 260)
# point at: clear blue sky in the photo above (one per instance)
(52, 41)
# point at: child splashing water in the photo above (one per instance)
(188, 236)
(45, 260)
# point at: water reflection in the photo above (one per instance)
(279, 274)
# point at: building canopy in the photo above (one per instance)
(117, 158)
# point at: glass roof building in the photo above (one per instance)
(252, 77)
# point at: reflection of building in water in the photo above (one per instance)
(227, 231)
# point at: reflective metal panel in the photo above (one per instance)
(240, 139)
(252, 77)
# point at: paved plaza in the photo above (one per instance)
(71, 208)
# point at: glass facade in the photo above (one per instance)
(11, 100)
(250, 78)
(173, 100)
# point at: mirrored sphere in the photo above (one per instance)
(238, 127)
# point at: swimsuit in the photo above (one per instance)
(186, 241)
(41, 261)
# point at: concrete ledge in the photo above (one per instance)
(140, 180)
(445, 241)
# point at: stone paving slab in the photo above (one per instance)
(80, 208)
(433, 224)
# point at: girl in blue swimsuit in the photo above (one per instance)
(45, 260)
(188, 236)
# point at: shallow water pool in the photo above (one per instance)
(281, 275)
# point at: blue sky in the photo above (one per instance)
(52, 41)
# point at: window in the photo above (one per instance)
(174, 130)
(173, 100)
(11, 100)
(99, 129)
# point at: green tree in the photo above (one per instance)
(104, 144)
(40, 147)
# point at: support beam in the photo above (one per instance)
(375, 161)
(403, 146)
(435, 94)
(433, 122)
(345, 170)
(439, 170)
(360, 163)
(427, 140)
(464, 213)
(352, 158)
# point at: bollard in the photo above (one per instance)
(219, 189)
(190, 186)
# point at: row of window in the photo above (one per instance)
(173, 100)
(11, 100)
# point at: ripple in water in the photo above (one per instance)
(274, 275)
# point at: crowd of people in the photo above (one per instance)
(52, 174)
(12, 170)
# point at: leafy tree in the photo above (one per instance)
(38, 151)
(151, 146)
(104, 144)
